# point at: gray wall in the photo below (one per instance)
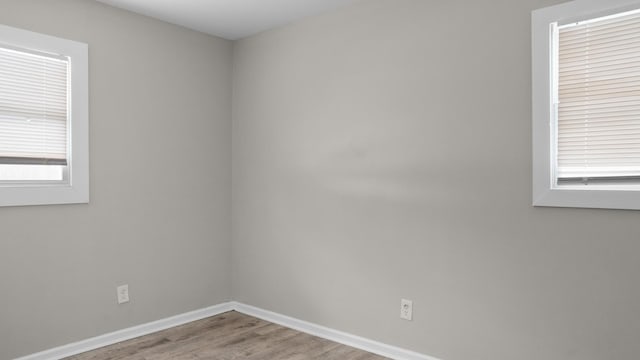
(159, 215)
(383, 151)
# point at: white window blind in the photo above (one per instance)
(33, 107)
(598, 94)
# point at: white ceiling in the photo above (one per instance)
(229, 19)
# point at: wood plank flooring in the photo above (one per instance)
(228, 336)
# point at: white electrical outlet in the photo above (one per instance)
(406, 309)
(123, 294)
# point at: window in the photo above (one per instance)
(43, 119)
(586, 105)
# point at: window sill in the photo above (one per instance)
(599, 197)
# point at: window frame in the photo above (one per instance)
(545, 191)
(74, 188)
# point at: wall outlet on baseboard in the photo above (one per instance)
(406, 309)
(123, 293)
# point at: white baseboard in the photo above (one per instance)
(358, 342)
(128, 333)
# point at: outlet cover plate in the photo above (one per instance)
(123, 294)
(406, 309)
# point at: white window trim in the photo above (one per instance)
(76, 190)
(545, 192)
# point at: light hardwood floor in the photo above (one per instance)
(228, 336)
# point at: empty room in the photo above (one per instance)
(320, 179)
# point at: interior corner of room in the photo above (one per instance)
(334, 174)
